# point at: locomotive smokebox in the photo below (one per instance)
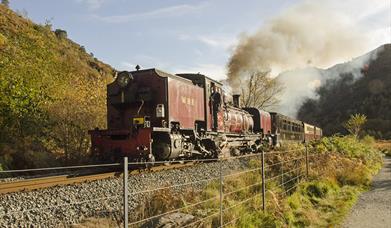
(236, 100)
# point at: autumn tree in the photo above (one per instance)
(260, 90)
(355, 124)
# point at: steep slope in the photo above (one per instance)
(51, 93)
(346, 94)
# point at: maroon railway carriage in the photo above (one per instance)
(311, 132)
(155, 115)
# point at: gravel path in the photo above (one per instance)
(373, 208)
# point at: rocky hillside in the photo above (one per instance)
(51, 93)
(345, 94)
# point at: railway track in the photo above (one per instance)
(51, 181)
(69, 179)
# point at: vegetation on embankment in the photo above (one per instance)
(51, 93)
(384, 146)
(342, 168)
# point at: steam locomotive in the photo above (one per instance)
(153, 115)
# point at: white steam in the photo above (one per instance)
(302, 83)
(307, 35)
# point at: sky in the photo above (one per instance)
(176, 35)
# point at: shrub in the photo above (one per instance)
(352, 148)
(62, 34)
(358, 175)
(368, 140)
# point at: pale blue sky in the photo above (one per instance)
(172, 35)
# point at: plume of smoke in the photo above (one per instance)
(311, 33)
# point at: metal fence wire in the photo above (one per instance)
(284, 169)
(262, 173)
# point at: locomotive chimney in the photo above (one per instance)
(236, 100)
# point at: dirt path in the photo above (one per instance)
(373, 208)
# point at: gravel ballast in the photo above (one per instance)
(65, 205)
(373, 208)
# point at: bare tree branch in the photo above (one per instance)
(259, 90)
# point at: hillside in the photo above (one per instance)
(51, 93)
(300, 84)
(346, 94)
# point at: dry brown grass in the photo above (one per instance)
(98, 223)
(384, 146)
(341, 170)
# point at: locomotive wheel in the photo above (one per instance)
(151, 161)
(161, 151)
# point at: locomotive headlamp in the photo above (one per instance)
(123, 78)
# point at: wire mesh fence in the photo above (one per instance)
(215, 200)
(285, 169)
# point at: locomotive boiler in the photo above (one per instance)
(153, 115)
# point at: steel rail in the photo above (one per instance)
(45, 182)
(59, 168)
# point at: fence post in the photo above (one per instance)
(126, 192)
(263, 179)
(306, 161)
(221, 193)
(282, 173)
